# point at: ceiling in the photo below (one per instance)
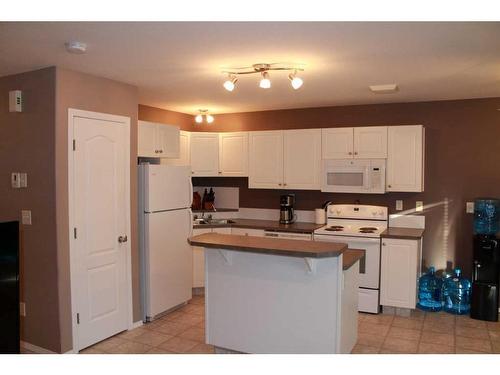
(178, 66)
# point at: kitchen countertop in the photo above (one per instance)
(297, 227)
(350, 257)
(403, 233)
(271, 246)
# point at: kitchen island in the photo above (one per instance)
(268, 295)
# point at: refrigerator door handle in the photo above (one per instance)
(190, 217)
(191, 190)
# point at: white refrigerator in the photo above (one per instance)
(165, 223)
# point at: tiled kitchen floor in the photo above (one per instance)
(182, 331)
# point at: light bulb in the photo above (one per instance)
(210, 119)
(295, 81)
(198, 119)
(265, 82)
(230, 83)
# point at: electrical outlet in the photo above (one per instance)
(23, 179)
(419, 206)
(22, 308)
(469, 207)
(26, 217)
(399, 205)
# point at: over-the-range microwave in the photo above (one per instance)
(353, 176)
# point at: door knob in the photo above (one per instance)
(122, 239)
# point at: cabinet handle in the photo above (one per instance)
(355, 153)
(220, 172)
(161, 151)
(284, 184)
(389, 186)
(156, 151)
(279, 184)
(350, 153)
(383, 243)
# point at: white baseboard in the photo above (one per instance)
(35, 349)
(136, 324)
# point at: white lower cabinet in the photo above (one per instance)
(248, 232)
(199, 256)
(399, 272)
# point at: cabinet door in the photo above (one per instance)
(199, 261)
(184, 156)
(266, 159)
(204, 154)
(405, 158)
(233, 154)
(370, 142)
(168, 141)
(398, 273)
(337, 143)
(248, 232)
(146, 138)
(302, 159)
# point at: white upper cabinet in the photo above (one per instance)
(360, 143)
(146, 136)
(158, 140)
(233, 154)
(204, 153)
(337, 143)
(266, 159)
(302, 159)
(184, 154)
(370, 142)
(405, 158)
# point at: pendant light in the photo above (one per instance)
(295, 81)
(230, 84)
(203, 114)
(265, 82)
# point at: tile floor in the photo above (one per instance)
(183, 331)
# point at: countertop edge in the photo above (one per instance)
(350, 257)
(403, 233)
(270, 250)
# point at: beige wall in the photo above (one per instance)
(27, 145)
(85, 92)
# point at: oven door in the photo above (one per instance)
(346, 176)
(369, 266)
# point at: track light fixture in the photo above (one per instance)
(295, 81)
(263, 69)
(203, 113)
(265, 82)
(230, 83)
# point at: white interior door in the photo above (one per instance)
(99, 214)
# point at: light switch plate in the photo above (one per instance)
(26, 217)
(469, 207)
(419, 206)
(22, 308)
(15, 180)
(399, 205)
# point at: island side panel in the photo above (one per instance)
(349, 309)
(259, 303)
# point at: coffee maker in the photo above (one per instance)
(287, 215)
(486, 258)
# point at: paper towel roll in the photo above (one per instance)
(320, 216)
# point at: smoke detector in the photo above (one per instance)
(76, 47)
(384, 89)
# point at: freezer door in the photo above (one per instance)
(166, 187)
(169, 261)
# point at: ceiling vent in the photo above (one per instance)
(384, 89)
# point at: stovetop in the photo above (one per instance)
(355, 221)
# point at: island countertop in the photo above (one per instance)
(271, 246)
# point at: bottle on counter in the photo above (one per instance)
(456, 294)
(429, 291)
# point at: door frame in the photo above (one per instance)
(125, 121)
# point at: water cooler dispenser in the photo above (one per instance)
(486, 260)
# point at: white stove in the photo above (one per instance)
(359, 226)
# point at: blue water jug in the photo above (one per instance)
(456, 294)
(486, 216)
(429, 291)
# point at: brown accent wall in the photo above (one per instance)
(90, 93)
(462, 159)
(27, 145)
(165, 116)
